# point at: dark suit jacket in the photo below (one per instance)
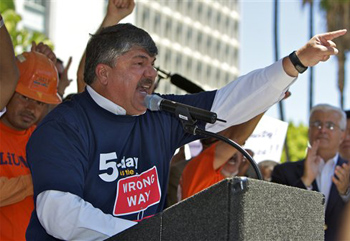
(290, 174)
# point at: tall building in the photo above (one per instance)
(197, 39)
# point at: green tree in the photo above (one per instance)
(6, 4)
(21, 37)
(297, 138)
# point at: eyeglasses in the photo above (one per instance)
(319, 125)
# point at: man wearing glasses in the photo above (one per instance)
(323, 170)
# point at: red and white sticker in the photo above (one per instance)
(136, 193)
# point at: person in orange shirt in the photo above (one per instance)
(217, 161)
(203, 171)
(36, 89)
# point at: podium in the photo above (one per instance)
(237, 208)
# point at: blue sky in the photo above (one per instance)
(257, 51)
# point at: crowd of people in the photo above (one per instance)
(98, 163)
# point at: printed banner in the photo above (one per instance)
(136, 193)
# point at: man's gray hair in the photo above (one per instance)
(326, 108)
(112, 42)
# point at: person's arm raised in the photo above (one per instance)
(64, 82)
(237, 133)
(319, 48)
(8, 68)
(45, 50)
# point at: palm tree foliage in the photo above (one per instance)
(338, 17)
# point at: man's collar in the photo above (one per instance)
(105, 103)
(333, 159)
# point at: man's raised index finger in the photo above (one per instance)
(334, 34)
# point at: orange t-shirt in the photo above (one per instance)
(199, 173)
(14, 218)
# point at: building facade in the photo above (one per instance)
(197, 39)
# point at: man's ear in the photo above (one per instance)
(102, 73)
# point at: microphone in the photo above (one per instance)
(156, 103)
(185, 84)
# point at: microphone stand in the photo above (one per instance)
(189, 125)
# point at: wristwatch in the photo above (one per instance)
(296, 62)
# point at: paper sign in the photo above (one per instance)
(267, 140)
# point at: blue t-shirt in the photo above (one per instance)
(118, 163)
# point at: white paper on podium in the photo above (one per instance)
(267, 140)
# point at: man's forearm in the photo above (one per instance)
(56, 207)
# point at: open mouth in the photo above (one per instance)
(144, 89)
(145, 86)
(232, 162)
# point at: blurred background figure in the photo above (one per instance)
(204, 170)
(266, 167)
(344, 149)
(237, 165)
(63, 82)
(177, 164)
(344, 233)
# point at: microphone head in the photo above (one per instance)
(185, 84)
(152, 102)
